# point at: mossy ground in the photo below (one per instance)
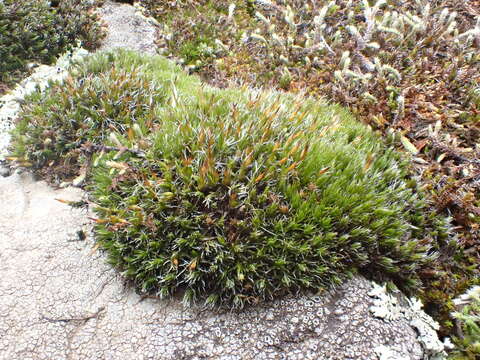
(444, 155)
(427, 92)
(39, 31)
(234, 196)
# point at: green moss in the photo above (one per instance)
(34, 31)
(191, 29)
(200, 49)
(100, 98)
(234, 196)
(375, 99)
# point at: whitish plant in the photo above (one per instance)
(468, 325)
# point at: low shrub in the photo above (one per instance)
(379, 57)
(35, 31)
(234, 196)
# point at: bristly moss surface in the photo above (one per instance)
(231, 196)
(410, 66)
(38, 31)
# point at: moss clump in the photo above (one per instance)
(35, 31)
(398, 65)
(234, 196)
(80, 113)
(110, 93)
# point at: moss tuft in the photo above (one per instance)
(35, 31)
(232, 196)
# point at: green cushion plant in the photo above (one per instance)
(80, 112)
(231, 196)
(35, 31)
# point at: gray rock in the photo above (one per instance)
(127, 28)
(4, 171)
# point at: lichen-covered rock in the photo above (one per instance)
(389, 307)
(127, 28)
(59, 300)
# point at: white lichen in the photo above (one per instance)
(473, 294)
(387, 306)
(385, 353)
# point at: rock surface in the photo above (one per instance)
(4, 171)
(127, 28)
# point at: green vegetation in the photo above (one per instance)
(468, 320)
(35, 31)
(232, 196)
(80, 113)
(409, 67)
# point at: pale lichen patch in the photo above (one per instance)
(390, 307)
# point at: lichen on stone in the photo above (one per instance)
(389, 306)
(473, 294)
(385, 353)
(385, 305)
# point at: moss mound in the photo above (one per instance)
(234, 196)
(81, 112)
(35, 31)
